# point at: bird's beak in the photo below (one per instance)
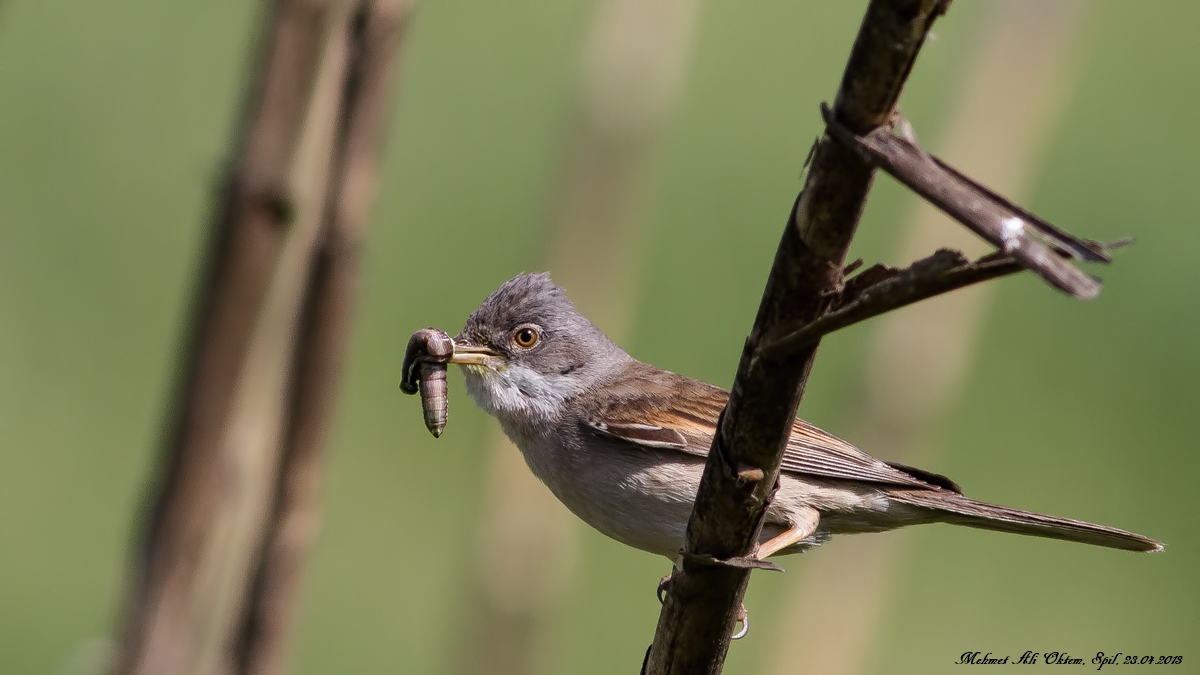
(467, 354)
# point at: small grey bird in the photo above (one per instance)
(622, 444)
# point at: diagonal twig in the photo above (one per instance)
(942, 272)
(881, 289)
(1028, 238)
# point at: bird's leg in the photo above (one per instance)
(799, 531)
(781, 541)
(801, 528)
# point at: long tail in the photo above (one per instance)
(954, 508)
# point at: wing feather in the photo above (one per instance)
(679, 413)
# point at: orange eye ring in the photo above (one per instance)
(526, 337)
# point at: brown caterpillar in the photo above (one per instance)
(424, 370)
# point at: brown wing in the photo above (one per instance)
(663, 410)
(813, 451)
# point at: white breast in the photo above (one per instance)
(640, 497)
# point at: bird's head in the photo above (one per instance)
(526, 350)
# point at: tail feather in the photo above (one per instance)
(959, 510)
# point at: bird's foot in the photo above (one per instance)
(743, 617)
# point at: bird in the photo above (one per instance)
(622, 443)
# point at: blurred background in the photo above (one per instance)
(672, 133)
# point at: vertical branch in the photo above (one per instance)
(701, 607)
(634, 63)
(211, 511)
(376, 29)
(1012, 93)
(257, 208)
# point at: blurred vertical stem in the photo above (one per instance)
(634, 63)
(376, 30)
(212, 510)
(1014, 87)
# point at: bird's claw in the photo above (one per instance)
(664, 585)
(743, 618)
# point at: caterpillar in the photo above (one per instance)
(424, 371)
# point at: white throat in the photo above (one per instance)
(518, 393)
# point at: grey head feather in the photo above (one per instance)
(572, 354)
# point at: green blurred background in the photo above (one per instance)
(115, 119)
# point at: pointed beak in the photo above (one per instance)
(468, 354)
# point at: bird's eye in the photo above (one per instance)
(526, 337)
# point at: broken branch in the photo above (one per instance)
(1028, 238)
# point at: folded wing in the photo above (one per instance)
(671, 411)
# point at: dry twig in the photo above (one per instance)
(880, 289)
(701, 607)
(1014, 230)
(806, 298)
